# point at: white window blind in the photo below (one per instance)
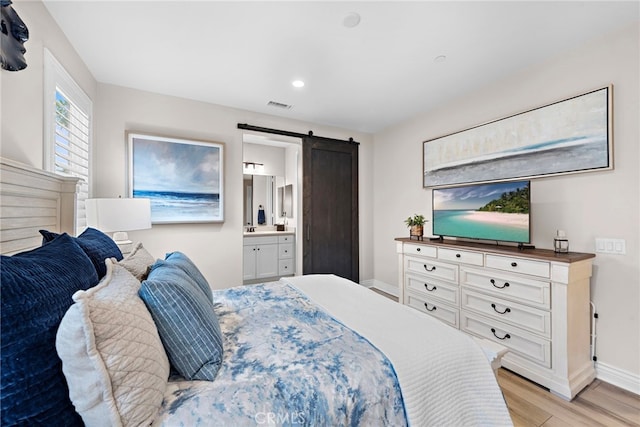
(67, 131)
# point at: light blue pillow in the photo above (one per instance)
(186, 322)
(183, 261)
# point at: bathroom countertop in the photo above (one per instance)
(259, 233)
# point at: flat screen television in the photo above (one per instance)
(497, 211)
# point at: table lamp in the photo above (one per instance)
(119, 216)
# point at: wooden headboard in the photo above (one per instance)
(32, 199)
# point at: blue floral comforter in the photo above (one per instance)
(289, 363)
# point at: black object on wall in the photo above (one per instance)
(12, 38)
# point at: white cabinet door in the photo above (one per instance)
(249, 262)
(266, 261)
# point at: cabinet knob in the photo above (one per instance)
(514, 264)
(458, 255)
(417, 249)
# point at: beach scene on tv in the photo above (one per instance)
(497, 211)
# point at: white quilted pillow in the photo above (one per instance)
(112, 357)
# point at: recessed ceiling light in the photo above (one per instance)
(351, 20)
(439, 58)
(297, 83)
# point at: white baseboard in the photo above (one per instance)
(378, 284)
(618, 377)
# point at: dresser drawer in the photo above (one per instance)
(521, 342)
(465, 257)
(519, 265)
(512, 287)
(285, 250)
(420, 250)
(431, 288)
(285, 267)
(528, 318)
(439, 310)
(429, 268)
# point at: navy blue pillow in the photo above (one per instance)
(97, 245)
(36, 289)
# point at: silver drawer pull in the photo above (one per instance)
(493, 282)
(430, 309)
(429, 269)
(506, 336)
(426, 285)
(506, 310)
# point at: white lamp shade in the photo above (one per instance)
(118, 214)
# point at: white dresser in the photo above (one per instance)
(534, 302)
(268, 256)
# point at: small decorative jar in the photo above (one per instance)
(561, 243)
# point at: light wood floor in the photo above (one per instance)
(599, 404)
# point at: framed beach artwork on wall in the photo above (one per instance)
(183, 178)
(568, 136)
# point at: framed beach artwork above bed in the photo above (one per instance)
(568, 136)
(184, 178)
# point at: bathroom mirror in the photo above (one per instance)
(285, 195)
(261, 199)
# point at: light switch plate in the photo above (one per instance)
(611, 246)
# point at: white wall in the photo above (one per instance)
(273, 159)
(586, 205)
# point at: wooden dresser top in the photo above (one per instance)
(544, 254)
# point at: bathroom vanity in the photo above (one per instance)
(268, 255)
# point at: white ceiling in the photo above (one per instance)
(245, 54)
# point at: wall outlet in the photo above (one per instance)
(611, 246)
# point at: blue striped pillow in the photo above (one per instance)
(183, 261)
(185, 319)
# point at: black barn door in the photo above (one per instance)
(330, 207)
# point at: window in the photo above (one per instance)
(67, 130)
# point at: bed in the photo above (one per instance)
(90, 336)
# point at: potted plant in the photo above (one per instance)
(416, 226)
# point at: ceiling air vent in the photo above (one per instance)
(279, 105)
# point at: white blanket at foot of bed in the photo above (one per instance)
(445, 378)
